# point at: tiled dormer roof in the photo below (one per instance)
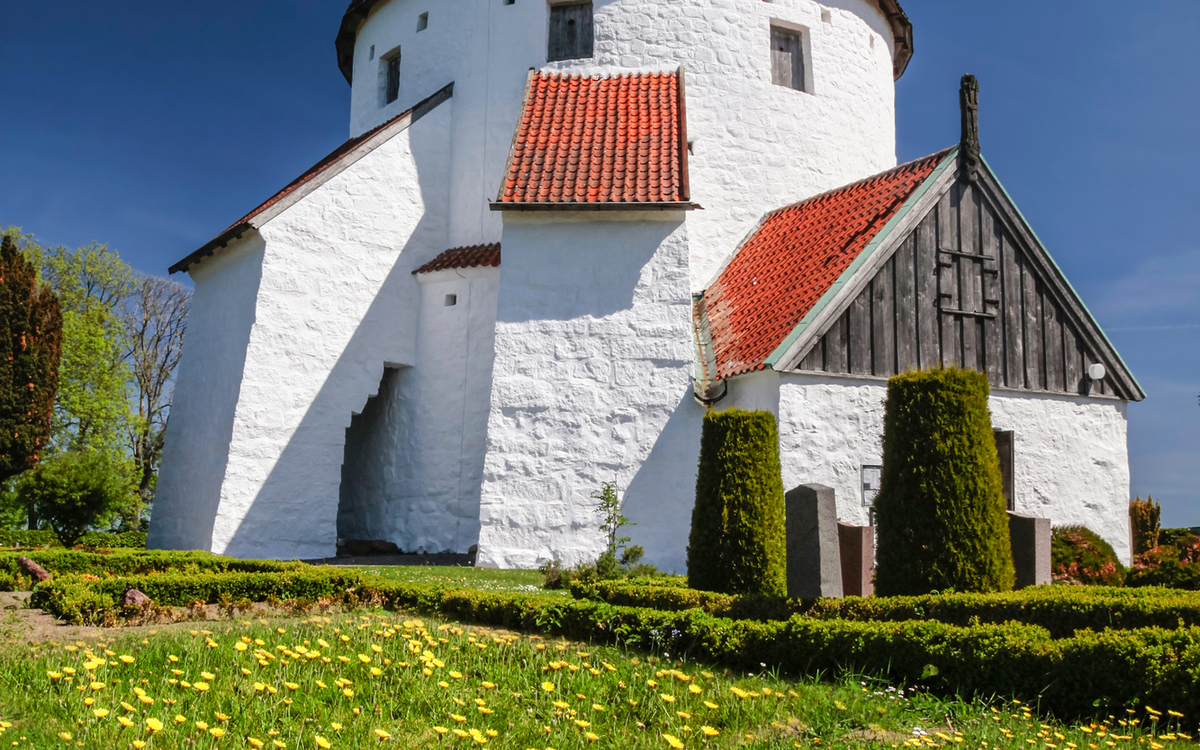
(794, 256)
(616, 141)
(464, 257)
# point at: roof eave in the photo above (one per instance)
(605, 206)
(347, 35)
(902, 35)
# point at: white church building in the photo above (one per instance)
(562, 231)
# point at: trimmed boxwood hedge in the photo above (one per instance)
(124, 562)
(737, 542)
(47, 538)
(1061, 610)
(940, 514)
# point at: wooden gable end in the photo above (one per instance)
(970, 285)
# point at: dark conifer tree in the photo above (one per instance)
(30, 349)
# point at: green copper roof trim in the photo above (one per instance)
(862, 258)
(1053, 262)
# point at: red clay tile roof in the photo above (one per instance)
(464, 257)
(785, 266)
(615, 139)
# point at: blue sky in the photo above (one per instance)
(152, 126)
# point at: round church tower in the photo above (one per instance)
(784, 98)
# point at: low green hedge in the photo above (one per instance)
(1071, 676)
(1082, 675)
(90, 601)
(47, 538)
(1061, 610)
(125, 562)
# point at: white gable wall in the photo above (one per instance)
(592, 383)
(198, 436)
(336, 301)
(1071, 462)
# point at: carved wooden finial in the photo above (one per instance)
(968, 149)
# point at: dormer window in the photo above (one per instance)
(787, 57)
(391, 76)
(570, 31)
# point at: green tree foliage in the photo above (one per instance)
(737, 543)
(93, 410)
(30, 349)
(78, 490)
(1080, 555)
(940, 513)
(1144, 524)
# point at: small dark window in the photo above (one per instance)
(423, 21)
(787, 58)
(510, 2)
(391, 89)
(570, 31)
(451, 300)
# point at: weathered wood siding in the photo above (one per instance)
(959, 290)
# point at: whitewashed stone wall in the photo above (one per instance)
(592, 383)
(336, 301)
(757, 146)
(1071, 461)
(209, 379)
(414, 458)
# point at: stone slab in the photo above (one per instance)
(1030, 538)
(814, 566)
(857, 544)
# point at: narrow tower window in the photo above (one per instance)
(570, 31)
(391, 76)
(423, 21)
(787, 58)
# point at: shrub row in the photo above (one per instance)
(1072, 676)
(1061, 610)
(1083, 675)
(82, 600)
(47, 538)
(126, 562)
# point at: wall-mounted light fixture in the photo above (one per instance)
(1096, 371)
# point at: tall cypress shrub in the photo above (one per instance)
(30, 349)
(737, 543)
(1144, 524)
(940, 514)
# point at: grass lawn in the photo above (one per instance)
(488, 579)
(389, 680)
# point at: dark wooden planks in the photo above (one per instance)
(860, 333)
(1073, 359)
(948, 291)
(906, 306)
(929, 345)
(836, 351)
(883, 321)
(1034, 366)
(993, 328)
(970, 291)
(1011, 275)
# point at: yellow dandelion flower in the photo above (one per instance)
(125, 721)
(242, 647)
(443, 684)
(667, 698)
(561, 704)
(321, 685)
(291, 686)
(548, 686)
(220, 716)
(154, 725)
(382, 734)
(138, 744)
(582, 724)
(99, 713)
(364, 658)
(441, 730)
(200, 686)
(673, 741)
(462, 733)
(335, 726)
(279, 744)
(255, 742)
(684, 714)
(217, 732)
(126, 658)
(64, 736)
(598, 707)
(483, 710)
(488, 685)
(695, 689)
(208, 676)
(376, 671)
(348, 692)
(455, 675)
(709, 731)
(202, 725)
(711, 705)
(128, 708)
(458, 718)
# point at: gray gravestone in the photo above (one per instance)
(1030, 539)
(814, 565)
